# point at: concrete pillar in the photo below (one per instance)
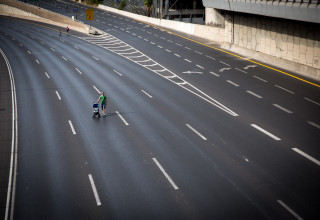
(214, 17)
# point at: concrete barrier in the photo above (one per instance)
(206, 32)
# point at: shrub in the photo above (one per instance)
(123, 4)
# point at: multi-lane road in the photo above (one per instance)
(191, 132)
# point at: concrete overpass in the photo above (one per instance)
(300, 10)
(287, 31)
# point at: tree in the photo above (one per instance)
(148, 4)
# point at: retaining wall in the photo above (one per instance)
(291, 45)
(15, 7)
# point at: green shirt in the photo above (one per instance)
(103, 99)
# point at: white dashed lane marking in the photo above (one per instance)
(266, 132)
(47, 75)
(254, 94)
(284, 89)
(263, 80)
(307, 156)
(147, 94)
(78, 70)
(72, 128)
(310, 100)
(117, 72)
(95, 88)
(233, 83)
(289, 210)
(314, 124)
(58, 95)
(165, 173)
(94, 189)
(197, 132)
(282, 108)
(215, 74)
(120, 116)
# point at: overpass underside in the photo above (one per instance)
(287, 30)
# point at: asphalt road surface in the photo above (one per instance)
(191, 132)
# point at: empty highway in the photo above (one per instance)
(191, 132)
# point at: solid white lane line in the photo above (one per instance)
(314, 124)
(94, 189)
(307, 156)
(282, 108)
(96, 89)
(37, 61)
(78, 71)
(254, 94)
(197, 132)
(146, 93)
(52, 49)
(311, 101)
(266, 132)
(124, 121)
(117, 72)
(165, 173)
(263, 80)
(14, 146)
(95, 58)
(289, 210)
(47, 75)
(188, 60)
(201, 67)
(64, 58)
(224, 63)
(232, 83)
(58, 95)
(217, 75)
(72, 128)
(241, 70)
(284, 89)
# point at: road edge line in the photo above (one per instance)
(14, 145)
